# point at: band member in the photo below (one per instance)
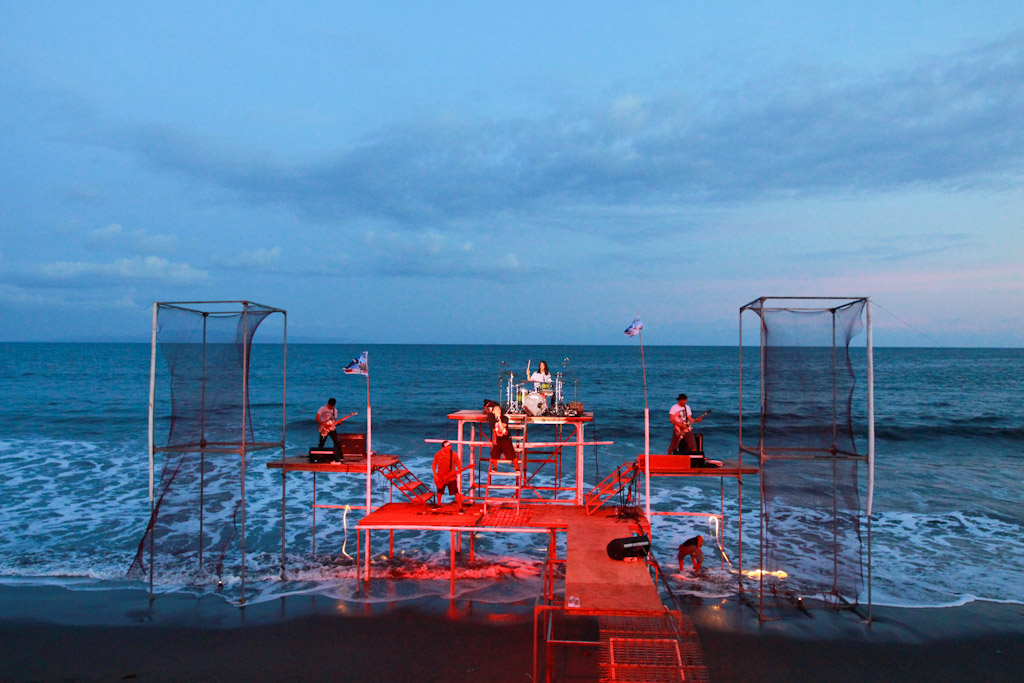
(501, 440)
(327, 422)
(691, 547)
(682, 426)
(446, 473)
(542, 378)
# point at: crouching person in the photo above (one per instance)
(691, 547)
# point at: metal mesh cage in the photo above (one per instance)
(198, 511)
(805, 439)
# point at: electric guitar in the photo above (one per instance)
(326, 428)
(687, 427)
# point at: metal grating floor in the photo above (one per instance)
(648, 648)
(507, 517)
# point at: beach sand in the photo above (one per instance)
(978, 641)
(51, 633)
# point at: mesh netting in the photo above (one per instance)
(198, 498)
(806, 444)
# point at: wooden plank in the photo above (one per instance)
(599, 582)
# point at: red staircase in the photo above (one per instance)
(612, 484)
(407, 482)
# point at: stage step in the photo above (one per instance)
(407, 483)
(612, 484)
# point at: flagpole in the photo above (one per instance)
(369, 435)
(647, 436)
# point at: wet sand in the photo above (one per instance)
(50, 633)
(979, 641)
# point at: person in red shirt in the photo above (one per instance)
(446, 473)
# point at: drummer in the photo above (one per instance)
(542, 378)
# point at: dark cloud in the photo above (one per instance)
(951, 123)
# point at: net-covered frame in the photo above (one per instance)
(207, 346)
(805, 441)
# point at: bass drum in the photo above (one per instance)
(535, 403)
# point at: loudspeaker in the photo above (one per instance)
(698, 439)
(634, 546)
(351, 444)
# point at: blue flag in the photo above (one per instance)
(358, 366)
(635, 328)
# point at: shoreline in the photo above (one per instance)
(53, 633)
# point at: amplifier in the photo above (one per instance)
(351, 444)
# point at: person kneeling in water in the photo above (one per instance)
(691, 547)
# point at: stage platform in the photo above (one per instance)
(597, 581)
(352, 464)
(479, 416)
(680, 465)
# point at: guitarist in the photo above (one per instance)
(327, 422)
(682, 425)
(447, 468)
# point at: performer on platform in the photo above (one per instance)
(691, 547)
(446, 473)
(682, 421)
(327, 422)
(501, 441)
(542, 378)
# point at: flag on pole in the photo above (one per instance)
(635, 328)
(358, 366)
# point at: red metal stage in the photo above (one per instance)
(639, 635)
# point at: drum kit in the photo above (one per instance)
(534, 398)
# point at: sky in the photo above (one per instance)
(512, 172)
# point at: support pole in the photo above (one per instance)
(579, 464)
(739, 465)
(647, 462)
(647, 433)
(871, 440)
(152, 401)
(284, 503)
(284, 438)
(245, 411)
(367, 558)
(451, 544)
(202, 445)
(369, 438)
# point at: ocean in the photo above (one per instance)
(948, 522)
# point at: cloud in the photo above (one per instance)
(137, 241)
(949, 123)
(149, 269)
(426, 254)
(256, 258)
(907, 249)
(33, 298)
(15, 295)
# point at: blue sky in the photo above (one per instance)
(512, 172)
